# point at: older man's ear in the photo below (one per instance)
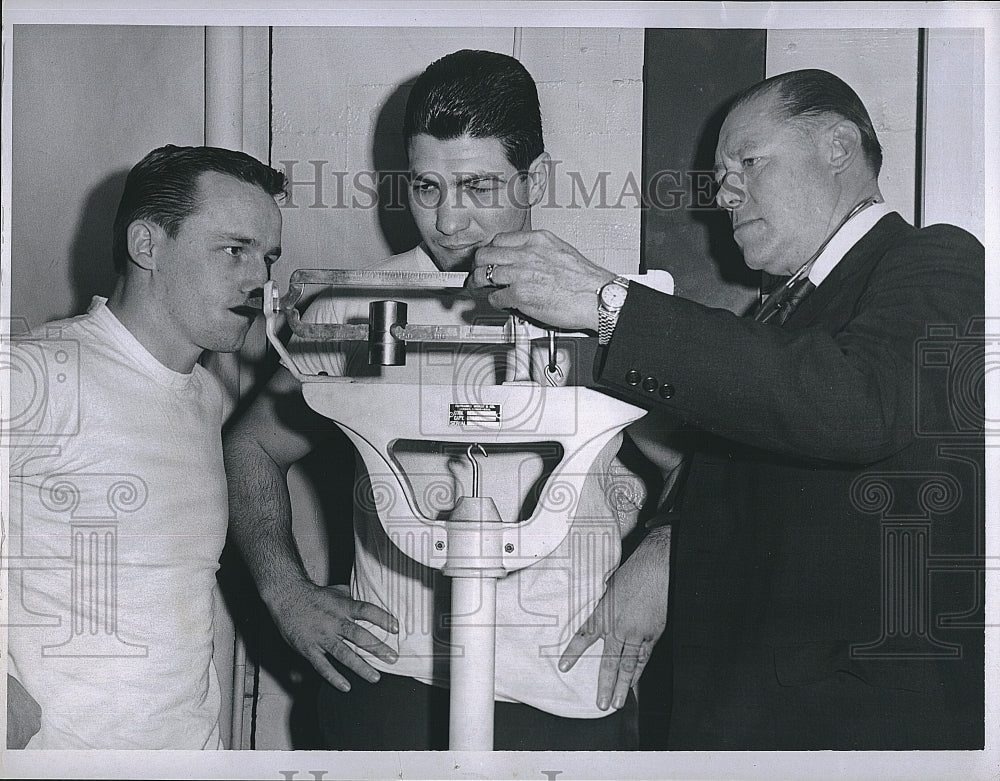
(844, 145)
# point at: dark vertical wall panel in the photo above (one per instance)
(689, 77)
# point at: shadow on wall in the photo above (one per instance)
(390, 158)
(689, 79)
(329, 469)
(266, 648)
(92, 267)
(717, 226)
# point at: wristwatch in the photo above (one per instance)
(610, 300)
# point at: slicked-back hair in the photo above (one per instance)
(805, 94)
(480, 94)
(163, 188)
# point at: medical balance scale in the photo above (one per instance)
(474, 547)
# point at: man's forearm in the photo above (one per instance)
(260, 517)
(654, 549)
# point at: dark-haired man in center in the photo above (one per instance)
(477, 164)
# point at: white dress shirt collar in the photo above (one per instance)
(850, 234)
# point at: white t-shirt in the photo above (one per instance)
(538, 608)
(118, 519)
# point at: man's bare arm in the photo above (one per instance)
(277, 430)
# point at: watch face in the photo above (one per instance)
(613, 295)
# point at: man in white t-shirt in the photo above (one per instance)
(477, 165)
(117, 487)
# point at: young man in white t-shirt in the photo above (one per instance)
(118, 494)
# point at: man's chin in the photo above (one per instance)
(454, 260)
(234, 343)
(765, 264)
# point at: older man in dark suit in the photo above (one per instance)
(827, 563)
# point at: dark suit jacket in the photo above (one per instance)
(827, 564)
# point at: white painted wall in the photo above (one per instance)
(590, 90)
(88, 102)
(881, 66)
(954, 151)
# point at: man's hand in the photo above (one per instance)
(319, 622)
(630, 618)
(542, 277)
(24, 715)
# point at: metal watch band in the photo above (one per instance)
(607, 319)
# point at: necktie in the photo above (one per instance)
(778, 306)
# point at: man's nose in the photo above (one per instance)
(255, 274)
(732, 192)
(452, 216)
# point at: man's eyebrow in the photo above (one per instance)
(250, 241)
(461, 178)
(465, 179)
(748, 149)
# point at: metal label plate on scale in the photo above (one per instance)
(462, 414)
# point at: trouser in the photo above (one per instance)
(401, 714)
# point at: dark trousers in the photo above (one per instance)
(401, 714)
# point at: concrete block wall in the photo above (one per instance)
(590, 91)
